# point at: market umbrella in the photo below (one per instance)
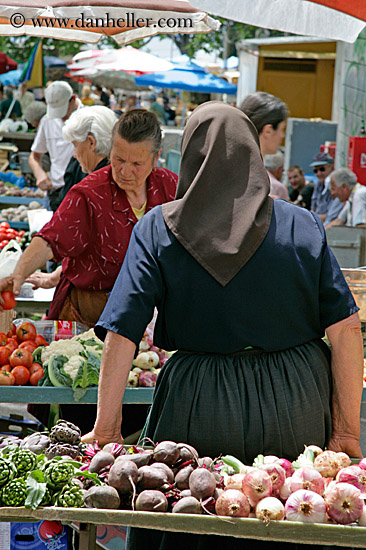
(12, 78)
(189, 77)
(6, 63)
(34, 71)
(53, 61)
(332, 19)
(90, 20)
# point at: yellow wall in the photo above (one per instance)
(308, 87)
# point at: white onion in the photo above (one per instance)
(344, 460)
(269, 459)
(343, 503)
(285, 490)
(327, 464)
(235, 482)
(305, 506)
(309, 479)
(257, 484)
(270, 508)
(362, 518)
(316, 450)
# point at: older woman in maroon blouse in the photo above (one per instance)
(91, 229)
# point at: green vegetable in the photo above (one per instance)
(88, 372)
(37, 355)
(45, 380)
(7, 471)
(56, 373)
(14, 493)
(58, 473)
(24, 460)
(70, 497)
(306, 459)
(36, 490)
(234, 463)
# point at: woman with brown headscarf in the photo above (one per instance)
(245, 288)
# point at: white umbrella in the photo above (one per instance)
(132, 60)
(332, 19)
(90, 20)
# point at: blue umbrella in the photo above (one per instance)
(11, 78)
(190, 77)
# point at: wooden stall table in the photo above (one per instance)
(280, 531)
(23, 140)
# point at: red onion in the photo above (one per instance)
(309, 479)
(329, 483)
(286, 465)
(285, 490)
(257, 484)
(343, 503)
(235, 482)
(362, 463)
(305, 506)
(270, 508)
(354, 475)
(344, 460)
(327, 463)
(278, 476)
(232, 503)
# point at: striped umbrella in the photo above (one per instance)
(90, 20)
(332, 19)
(34, 71)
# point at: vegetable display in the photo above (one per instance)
(319, 487)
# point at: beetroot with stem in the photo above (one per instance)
(187, 505)
(140, 459)
(102, 497)
(187, 452)
(151, 478)
(202, 483)
(182, 477)
(100, 461)
(166, 469)
(123, 476)
(151, 501)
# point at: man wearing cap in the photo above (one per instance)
(321, 198)
(352, 196)
(61, 103)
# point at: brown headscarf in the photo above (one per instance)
(222, 211)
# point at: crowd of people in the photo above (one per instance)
(131, 236)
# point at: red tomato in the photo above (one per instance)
(6, 368)
(36, 376)
(34, 367)
(26, 331)
(3, 339)
(40, 340)
(4, 224)
(21, 233)
(21, 375)
(7, 379)
(12, 331)
(21, 357)
(4, 243)
(28, 344)
(12, 344)
(3, 235)
(4, 355)
(9, 299)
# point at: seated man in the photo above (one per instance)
(320, 201)
(302, 190)
(344, 186)
(274, 166)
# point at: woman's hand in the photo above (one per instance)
(44, 280)
(102, 439)
(345, 444)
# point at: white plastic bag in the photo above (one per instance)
(9, 257)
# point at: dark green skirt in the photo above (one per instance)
(243, 404)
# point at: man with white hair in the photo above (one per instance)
(344, 186)
(61, 103)
(274, 166)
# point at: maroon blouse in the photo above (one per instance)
(91, 230)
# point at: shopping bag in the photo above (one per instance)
(9, 257)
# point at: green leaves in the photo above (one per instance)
(88, 372)
(36, 489)
(56, 373)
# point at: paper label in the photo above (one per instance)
(63, 329)
(5, 536)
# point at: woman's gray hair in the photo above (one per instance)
(34, 112)
(97, 121)
(344, 176)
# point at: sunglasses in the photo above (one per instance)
(319, 169)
